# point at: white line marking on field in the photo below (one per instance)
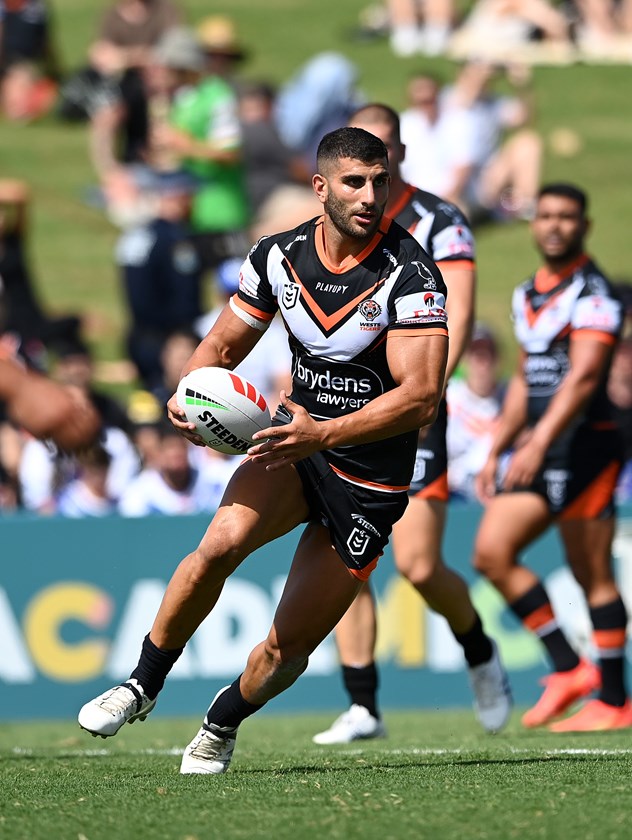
(429, 751)
(512, 750)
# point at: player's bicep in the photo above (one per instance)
(417, 361)
(589, 353)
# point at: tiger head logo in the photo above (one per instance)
(369, 309)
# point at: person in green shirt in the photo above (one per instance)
(203, 129)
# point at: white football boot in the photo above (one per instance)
(211, 751)
(356, 724)
(492, 694)
(106, 714)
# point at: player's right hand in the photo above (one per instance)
(485, 481)
(178, 419)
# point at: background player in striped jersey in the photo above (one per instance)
(564, 468)
(444, 233)
(369, 345)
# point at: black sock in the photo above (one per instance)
(361, 685)
(153, 666)
(536, 613)
(477, 647)
(609, 623)
(229, 709)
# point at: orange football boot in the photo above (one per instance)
(596, 716)
(562, 689)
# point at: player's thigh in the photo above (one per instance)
(257, 507)
(510, 522)
(588, 548)
(418, 534)
(318, 592)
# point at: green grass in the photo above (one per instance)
(436, 776)
(72, 244)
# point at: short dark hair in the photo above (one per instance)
(567, 191)
(377, 113)
(353, 143)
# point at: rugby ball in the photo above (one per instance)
(227, 409)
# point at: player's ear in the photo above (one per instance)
(321, 187)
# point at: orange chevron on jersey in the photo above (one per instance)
(329, 321)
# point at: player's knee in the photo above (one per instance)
(486, 560)
(421, 573)
(287, 660)
(223, 548)
(418, 568)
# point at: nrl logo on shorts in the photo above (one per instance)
(556, 481)
(291, 291)
(357, 542)
(369, 309)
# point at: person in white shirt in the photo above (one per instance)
(474, 405)
(173, 486)
(44, 471)
(440, 142)
(87, 494)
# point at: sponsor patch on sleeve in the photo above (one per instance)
(595, 312)
(421, 308)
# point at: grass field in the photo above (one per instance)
(436, 776)
(72, 244)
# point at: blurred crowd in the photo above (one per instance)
(194, 161)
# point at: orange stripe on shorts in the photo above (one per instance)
(437, 489)
(365, 573)
(595, 498)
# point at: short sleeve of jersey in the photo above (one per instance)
(451, 238)
(596, 309)
(418, 298)
(255, 293)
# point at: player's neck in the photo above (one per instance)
(338, 246)
(555, 271)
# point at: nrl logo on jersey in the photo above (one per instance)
(291, 292)
(370, 309)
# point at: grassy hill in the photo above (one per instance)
(72, 244)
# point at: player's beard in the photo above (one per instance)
(340, 216)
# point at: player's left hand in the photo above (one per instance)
(284, 445)
(524, 464)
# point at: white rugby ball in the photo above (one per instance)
(227, 409)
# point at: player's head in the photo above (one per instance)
(560, 223)
(352, 143)
(352, 180)
(566, 190)
(382, 121)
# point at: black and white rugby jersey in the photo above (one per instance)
(337, 319)
(550, 310)
(439, 226)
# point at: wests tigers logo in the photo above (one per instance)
(369, 309)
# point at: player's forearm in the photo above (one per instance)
(566, 405)
(226, 345)
(394, 413)
(513, 418)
